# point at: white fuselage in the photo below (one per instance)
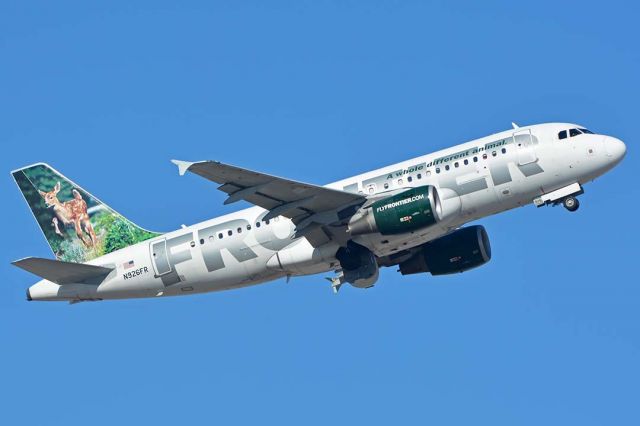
(489, 175)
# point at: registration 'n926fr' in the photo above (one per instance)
(135, 273)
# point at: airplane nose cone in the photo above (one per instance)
(615, 148)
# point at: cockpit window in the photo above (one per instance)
(573, 132)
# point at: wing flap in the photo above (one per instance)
(61, 272)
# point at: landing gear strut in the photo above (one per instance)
(571, 203)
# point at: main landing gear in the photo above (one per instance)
(571, 203)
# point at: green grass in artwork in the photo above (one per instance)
(119, 233)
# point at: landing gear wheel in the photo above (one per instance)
(571, 204)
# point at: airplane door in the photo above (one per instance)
(523, 141)
(160, 257)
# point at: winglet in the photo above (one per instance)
(515, 126)
(183, 166)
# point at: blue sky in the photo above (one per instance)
(547, 333)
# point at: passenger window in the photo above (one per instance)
(210, 238)
(494, 153)
(230, 232)
(266, 222)
(466, 162)
(475, 159)
(419, 176)
(201, 240)
(386, 185)
(248, 227)
(446, 167)
(437, 169)
(399, 181)
(574, 132)
(239, 230)
(504, 150)
(484, 156)
(562, 134)
(456, 164)
(257, 224)
(220, 236)
(428, 173)
(409, 179)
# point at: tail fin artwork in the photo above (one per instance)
(77, 226)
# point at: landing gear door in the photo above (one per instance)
(523, 141)
(160, 257)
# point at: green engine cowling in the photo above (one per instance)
(407, 211)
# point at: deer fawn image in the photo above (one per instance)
(70, 212)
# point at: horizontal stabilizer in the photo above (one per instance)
(61, 272)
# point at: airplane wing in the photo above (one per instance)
(61, 272)
(304, 203)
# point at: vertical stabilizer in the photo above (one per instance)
(77, 226)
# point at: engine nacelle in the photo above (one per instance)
(359, 265)
(407, 211)
(458, 251)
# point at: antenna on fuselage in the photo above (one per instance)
(515, 126)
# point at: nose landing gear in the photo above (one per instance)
(571, 203)
(566, 196)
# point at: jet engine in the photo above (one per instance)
(359, 265)
(458, 251)
(407, 211)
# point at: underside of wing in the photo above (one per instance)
(304, 203)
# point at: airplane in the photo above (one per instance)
(410, 215)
